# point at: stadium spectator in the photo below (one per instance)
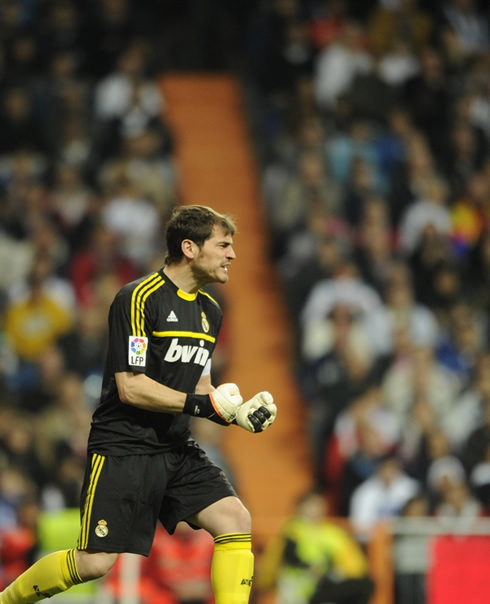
(131, 216)
(429, 209)
(100, 257)
(18, 541)
(403, 20)
(398, 64)
(429, 99)
(34, 322)
(84, 346)
(458, 506)
(382, 495)
(63, 31)
(284, 64)
(337, 65)
(461, 343)
(64, 424)
(71, 199)
(469, 410)
(18, 450)
(400, 312)
(370, 96)
(362, 433)
(305, 191)
(307, 132)
(469, 24)
(415, 165)
(313, 560)
(437, 281)
(443, 470)
(142, 158)
(374, 243)
(351, 147)
(464, 155)
(420, 391)
(326, 22)
(479, 481)
(411, 555)
(112, 24)
(476, 444)
(37, 382)
(344, 288)
(178, 568)
(127, 86)
(469, 219)
(314, 255)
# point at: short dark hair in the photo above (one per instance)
(194, 222)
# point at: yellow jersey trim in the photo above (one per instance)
(97, 465)
(184, 334)
(201, 291)
(72, 567)
(138, 300)
(185, 296)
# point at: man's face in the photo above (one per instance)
(212, 262)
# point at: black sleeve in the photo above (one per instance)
(128, 350)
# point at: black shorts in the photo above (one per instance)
(124, 496)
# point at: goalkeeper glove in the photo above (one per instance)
(220, 405)
(257, 414)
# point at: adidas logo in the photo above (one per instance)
(172, 317)
(41, 594)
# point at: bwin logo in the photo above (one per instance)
(186, 354)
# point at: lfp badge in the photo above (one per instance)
(137, 351)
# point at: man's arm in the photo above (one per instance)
(138, 390)
(222, 405)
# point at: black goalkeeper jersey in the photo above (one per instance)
(158, 329)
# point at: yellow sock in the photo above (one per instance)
(232, 568)
(50, 575)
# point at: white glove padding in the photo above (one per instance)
(226, 400)
(257, 414)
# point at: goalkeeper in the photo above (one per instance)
(143, 466)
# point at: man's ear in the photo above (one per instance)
(189, 248)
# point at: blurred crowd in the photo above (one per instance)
(371, 122)
(373, 128)
(376, 184)
(87, 178)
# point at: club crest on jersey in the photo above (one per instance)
(204, 322)
(102, 530)
(137, 351)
